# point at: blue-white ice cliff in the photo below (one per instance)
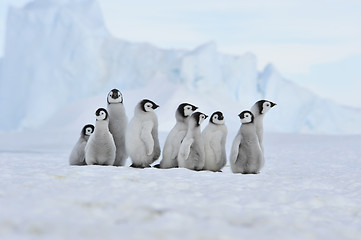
(58, 52)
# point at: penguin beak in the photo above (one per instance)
(273, 104)
(155, 106)
(205, 116)
(239, 115)
(194, 108)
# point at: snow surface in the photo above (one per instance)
(310, 188)
(60, 52)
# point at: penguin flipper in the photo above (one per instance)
(146, 136)
(186, 147)
(235, 148)
(176, 144)
(216, 146)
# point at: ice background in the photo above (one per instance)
(59, 63)
(60, 52)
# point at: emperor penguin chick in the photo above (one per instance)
(118, 122)
(176, 136)
(77, 156)
(100, 149)
(142, 135)
(214, 139)
(246, 154)
(191, 152)
(259, 109)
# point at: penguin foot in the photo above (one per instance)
(198, 170)
(157, 166)
(139, 166)
(135, 166)
(250, 172)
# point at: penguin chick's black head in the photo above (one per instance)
(246, 116)
(115, 96)
(264, 106)
(199, 118)
(101, 114)
(186, 109)
(148, 105)
(88, 129)
(216, 118)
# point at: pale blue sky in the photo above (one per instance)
(314, 43)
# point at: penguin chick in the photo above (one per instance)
(142, 135)
(77, 156)
(214, 139)
(246, 154)
(259, 109)
(118, 122)
(176, 136)
(100, 148)
(191, 152)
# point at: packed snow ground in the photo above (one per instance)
(310, 188)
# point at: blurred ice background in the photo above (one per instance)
(60, 58)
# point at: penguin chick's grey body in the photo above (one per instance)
(118, 122)
(77, 155)
(176, 136)
(246, 154)
(142, 135)
(100, 149)
(191, 152)
(259, 109)
(214, 139)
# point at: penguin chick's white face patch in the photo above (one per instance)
(266, 106)
(246, 117)
(188, 110)
(88, 131)
(202, 117)
(115, 96)
(101, 114)
(148, 107)
(217, 118)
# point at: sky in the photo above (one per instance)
(316, 44)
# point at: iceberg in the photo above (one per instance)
(60, 52)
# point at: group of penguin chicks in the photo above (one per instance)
(112, 139)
